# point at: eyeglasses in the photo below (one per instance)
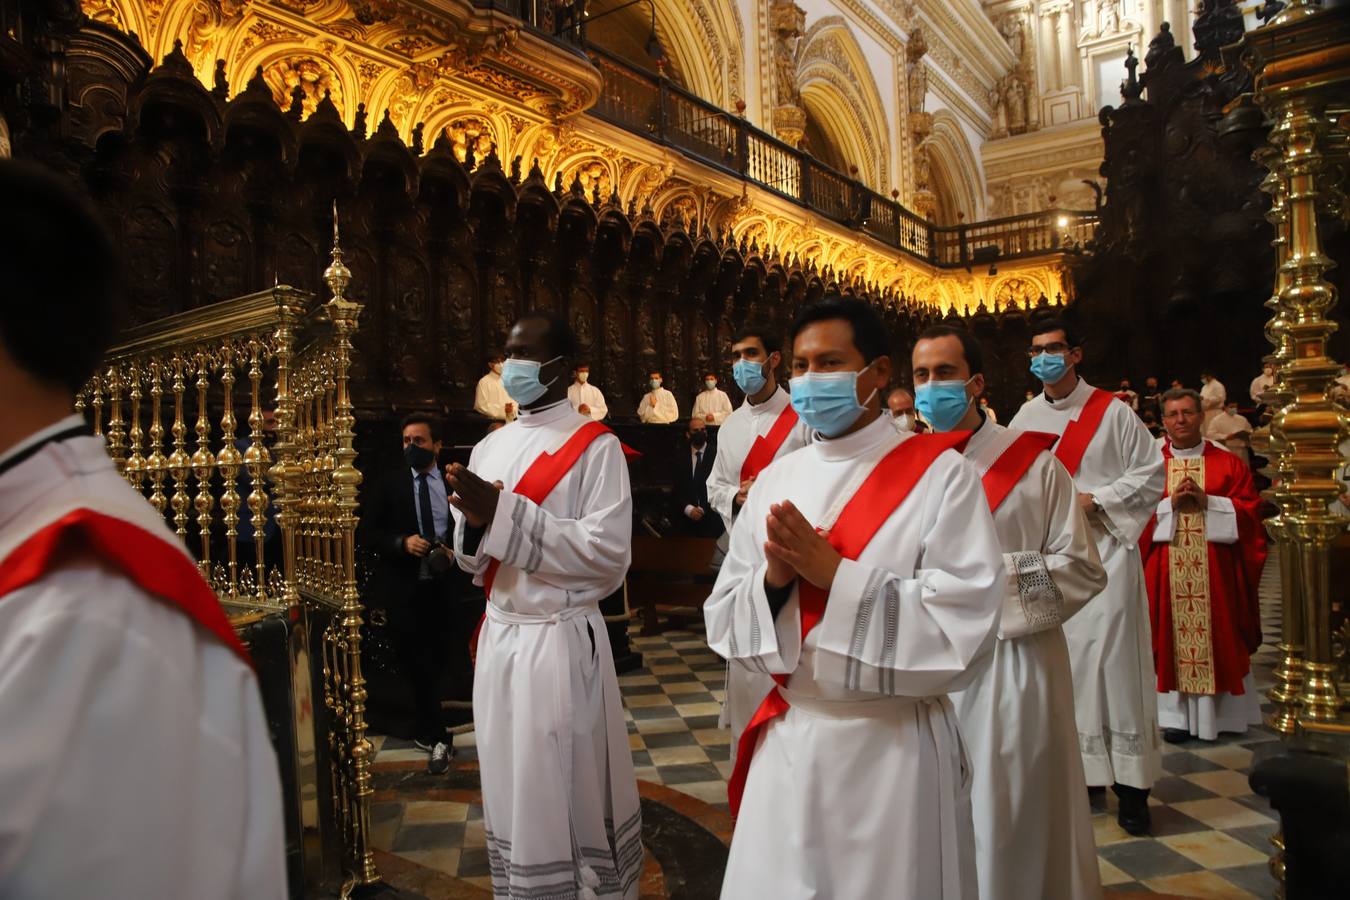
(1056, 347)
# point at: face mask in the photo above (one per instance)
(1049, 367)
(583, 377)
(520, 377)
(903, 422)
(942, 403)
(1232, 410)
(496, 367)
(749, 376)
(828, 401)
(655, 383)
(698, 439)
(418, 458)
(709, 384)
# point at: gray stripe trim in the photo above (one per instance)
(536, 556)
(891, 620)
(513, 545)
(861, 624)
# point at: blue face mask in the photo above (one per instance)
(942, 403)
(520, 378)
(828, 401)
(749, 376)
(1049, 367)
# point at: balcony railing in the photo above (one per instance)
(651, 105)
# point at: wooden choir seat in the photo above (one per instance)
(669, 579)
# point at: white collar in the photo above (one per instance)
(74, 420)
(857, 443)
(546, 415)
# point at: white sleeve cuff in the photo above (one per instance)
(1220, 521)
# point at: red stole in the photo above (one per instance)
(766, 447)
(1081, 430)
(1012, 464)
(155, 564)
(879, 496)
(536, 484)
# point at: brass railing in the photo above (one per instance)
(183, 403)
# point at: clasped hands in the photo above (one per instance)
(1189, 497)
(795, 549)
(473, 496)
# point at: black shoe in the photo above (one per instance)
(1176, 736)
(439, 763)
(1133, 816)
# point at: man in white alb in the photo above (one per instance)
(712, 404)
(490, 398)
(1262, 383)
(900, 404)
(1033, 826)
(586, 397)
(1213, 395)
(543, 520)
(1231, 430)
(864, 575)
(136, 758)
(765, 427)
(658, 406)
(1119, 476)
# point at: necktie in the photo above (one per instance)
(424, 502)
(698, 458)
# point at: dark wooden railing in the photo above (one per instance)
(651, 105)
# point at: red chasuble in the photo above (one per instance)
(1203, 596)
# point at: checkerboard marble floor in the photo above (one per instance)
(1210, 832)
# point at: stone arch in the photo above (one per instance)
(839, 92)
(957, 181)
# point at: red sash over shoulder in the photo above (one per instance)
(1081, 430)
(1012, 464)
(879, 496)
(765, 448)
(536, 484)
(152, 562)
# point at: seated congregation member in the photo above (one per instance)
(137, 761)
(543, 521)
(1033, 828)
(658, 406)
(1207, 626)
(865, 575)
(1118, 473)
(693, 513)
(405, 521)
(763, 428)
(712, 404)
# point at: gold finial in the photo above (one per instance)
(337, 276)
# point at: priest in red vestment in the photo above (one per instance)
(1203, 553)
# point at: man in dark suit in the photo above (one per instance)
(693, 516)
(405, 519)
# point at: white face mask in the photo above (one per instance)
(496, 367)
(709, 384)
(903, 422)
(582, 377)
(655, 383)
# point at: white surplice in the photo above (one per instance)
(665, 411)
(745, 688)
(560, 801)
(1109, 640)
(712, 402)
(862, 788)
(589, 395)
(490, 398)
(136, 758)
(1260, 384)
(1213, 395)
(1033, 825)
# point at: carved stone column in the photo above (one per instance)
(1046, 51)
(1069, 69)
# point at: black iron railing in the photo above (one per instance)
(651, 105)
